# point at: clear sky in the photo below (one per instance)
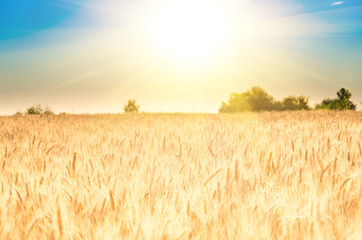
(171, 55)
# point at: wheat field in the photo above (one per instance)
(271, 175)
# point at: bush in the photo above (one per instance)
(257, 99)
(295, 103)
(18, 113)
(342, 102)
(38, 109)
(131, 107)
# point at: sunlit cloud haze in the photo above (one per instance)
(175, 56)
(336, 3)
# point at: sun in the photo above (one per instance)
(190, 31)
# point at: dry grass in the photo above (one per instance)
(283, 175)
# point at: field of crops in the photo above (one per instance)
(272, 175)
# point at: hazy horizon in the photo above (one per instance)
(91, 56)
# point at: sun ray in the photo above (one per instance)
(84, 76)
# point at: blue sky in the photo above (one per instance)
(92, 55)
(24, 17)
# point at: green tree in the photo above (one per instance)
(328, 103)
(342, 102)
(236, 103)
(18, 113)
(38, 109)
(48, 111)
(131, 107)
(295, 103)
(34, 110)
(259, 99)
(344, 94)
(256, 99)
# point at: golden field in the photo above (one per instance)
(271, 175)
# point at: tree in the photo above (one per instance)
(256, 99)
(131, 107)
(303, 102)
(259, 99)
(342, 102)
(236, 103)
(344, 94)
(38, 109)
(48, 111)
(18, 113)
(295, 103)
(327, 104)
(34, 110)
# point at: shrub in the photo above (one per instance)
(38, 109)
(257, 99)
(131, 107)
(295, 103)
(342, 102)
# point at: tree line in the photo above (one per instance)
(129, 107)
(257, 99)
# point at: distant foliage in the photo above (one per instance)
(18, 113)
(131, 107)
(38, 109)
(295, 103)
(34, 110)
(257, 99)
(342, 102)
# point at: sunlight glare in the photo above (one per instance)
(191, 30)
